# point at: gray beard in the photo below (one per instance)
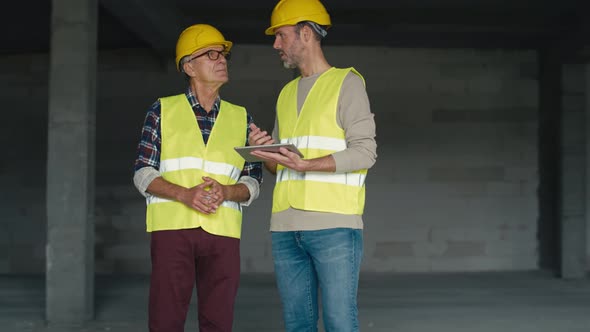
(288, 65)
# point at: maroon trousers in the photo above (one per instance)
(181, 258)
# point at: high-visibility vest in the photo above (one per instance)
(185, 160)
(316, 133)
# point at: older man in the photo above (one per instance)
(195, 184)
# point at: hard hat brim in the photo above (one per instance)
(271, 31)
(319, 19)
(227, 45)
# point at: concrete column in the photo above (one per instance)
(70, 162)
(573, 172)
(586, 233)
(550, 73)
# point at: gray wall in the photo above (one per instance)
(454, 188)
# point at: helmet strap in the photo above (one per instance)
(318, 28)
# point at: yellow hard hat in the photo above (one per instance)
(196, 37)
(291, 12)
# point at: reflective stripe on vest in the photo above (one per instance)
(316, 133)
(317, 142)
(349, 179)
(185, 159)
(212, 167)
(228, 204)
(320, 143)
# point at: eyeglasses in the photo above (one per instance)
(213, 55)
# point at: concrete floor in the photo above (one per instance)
(474, 302)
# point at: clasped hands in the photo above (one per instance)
(205, 197)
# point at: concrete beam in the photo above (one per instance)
(573, 39)
(404, 27)
(156, 22)
(70, 162)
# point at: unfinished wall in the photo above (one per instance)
(454, 187)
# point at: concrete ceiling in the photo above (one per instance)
(155, 24)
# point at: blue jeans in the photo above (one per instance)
(330, 259)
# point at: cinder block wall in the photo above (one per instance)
(453, 188)
(23, 130)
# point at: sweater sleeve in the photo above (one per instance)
(358, 123)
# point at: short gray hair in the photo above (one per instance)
(182, 61)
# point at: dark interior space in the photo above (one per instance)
(507, 46)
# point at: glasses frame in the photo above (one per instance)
(213, 55)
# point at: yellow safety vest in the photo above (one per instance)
(316, 133)
(185, 160)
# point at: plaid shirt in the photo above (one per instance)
(148, 150)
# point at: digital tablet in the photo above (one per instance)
(244, 151)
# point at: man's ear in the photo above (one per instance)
(186, 67)
(307, 33)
